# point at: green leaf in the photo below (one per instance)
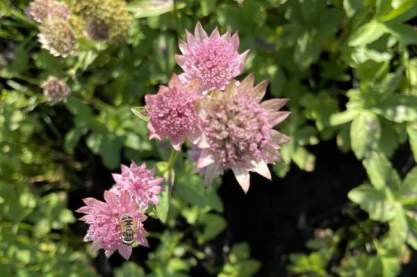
(149, 8)
(213, 225)
(412, 229)
(399, 10)
(408, 190)
(18, 201)
(72, 138)
(109, 149)
(410, 180)
(380, 172)
(404, 33)
(398, 229)
(130, 269)
(303, 158)
(398, 108)
(141, 113)
(239, 264)
(412, 134)
(367, 33)
(352, 6)
(374, 202)
(162, 209)
(191, 188)
(365, 133)
(343, 117)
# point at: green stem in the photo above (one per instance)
(171, 177)
(171, 163)
(177, 19)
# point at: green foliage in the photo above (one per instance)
(239, 264)
(348, 68)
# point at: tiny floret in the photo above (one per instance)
(173, 112)
(55, 90)
(238, 132)
(141, 184)
(214, 60)
(114, 224)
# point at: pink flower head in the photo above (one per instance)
(173, 112)
(104, 218)
(238, 131)
(140, 183)
(214, 59)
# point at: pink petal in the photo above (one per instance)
(183, 47)
(215, 34)
(259, 91)
(83, 210)
(176, 146)
(190, 37)
(142, 240)
(125, 199)
(199, 32)
(152, 132)
(180, 60)
(90, 201)
(277, 117)
(174, 81)
(262, 169)
(125, 251)
(247, 84)
(242, 177)
(279, 138)
(274, 104)
(118, 178)
(125, 169)
(243, 57)
(205, 159)
(111, 199)
(235, 41)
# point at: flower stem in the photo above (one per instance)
(171, 173)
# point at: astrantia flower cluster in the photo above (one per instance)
(103, 19)
(213, 60)
(224, 120)
(41, 10)
(60, 26)
(140, 183)
(117, 223)
(173, 114)
(55, 32)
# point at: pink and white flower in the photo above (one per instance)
(238, 131)
(213, 60)
(173, 112)
(141, 184)
(104, 220)
(39, 10)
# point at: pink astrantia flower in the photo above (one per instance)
(104, 218)
(238, 132)
(140, 183)
(173, 112)
(214, 59)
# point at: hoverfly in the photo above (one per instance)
(128, 229)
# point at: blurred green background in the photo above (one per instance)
(343, 201)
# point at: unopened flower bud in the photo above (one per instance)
(55, 90)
